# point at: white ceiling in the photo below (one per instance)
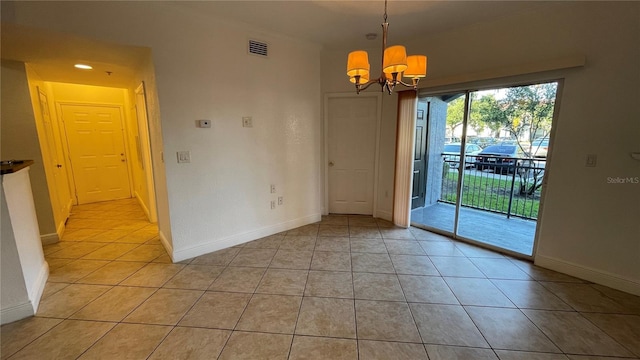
(333, 24)
(343, 24)
(52, 56)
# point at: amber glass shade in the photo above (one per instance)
(416, 66)
(358, 63)
(395, 59)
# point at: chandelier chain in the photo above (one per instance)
(385, 10)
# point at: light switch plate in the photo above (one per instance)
(184, 157)
(247, 121)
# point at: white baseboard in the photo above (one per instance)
(16, 313)
(597, 276)
(28, 308)
(218, 244)
(38, 286)
(144, 206)
(48, 239)
(384, 215)
(167, 246)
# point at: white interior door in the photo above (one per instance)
(97, 152)
(352, 124)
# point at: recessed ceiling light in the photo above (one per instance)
(83, 66)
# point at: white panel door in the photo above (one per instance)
(96, 148)
(351, 150)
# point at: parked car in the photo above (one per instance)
(499, 158)
(482, 141)
(540, 147)
(451, 154)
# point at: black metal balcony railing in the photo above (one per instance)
(504, 185)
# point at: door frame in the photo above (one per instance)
(501, 83)
(61, 206)
(325, 143)
(65, 141)
(145, 146)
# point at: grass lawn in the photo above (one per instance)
(490, 192)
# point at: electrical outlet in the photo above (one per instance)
(591, 161)
(273, 189)
(184, 157)
(280, 200)
(247, 121)
(273, 204)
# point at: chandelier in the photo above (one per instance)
(395, 65)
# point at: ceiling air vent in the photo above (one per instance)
(258, 48)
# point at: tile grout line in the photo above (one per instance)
(68, 318)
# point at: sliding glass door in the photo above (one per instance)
(484, 156)
(437, 160)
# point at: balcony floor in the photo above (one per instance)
(513, 234)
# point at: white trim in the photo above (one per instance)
(16, 313)
(237, 239)
(146, 148)
(38, 286)
(384, 215)
(325, 144)
(51, 238)
(594, 275)
(143, 206)
(28, 308)
(167, 245)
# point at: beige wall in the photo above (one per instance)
(589, 227)
(19, 137)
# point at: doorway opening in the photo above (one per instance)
(98, 149)
(480, 161)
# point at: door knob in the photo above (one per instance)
(331, 163)
(58, 166)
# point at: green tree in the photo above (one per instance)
(529, 110)
(455, 114)
(485, 113)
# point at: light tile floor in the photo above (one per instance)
(349, 287)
